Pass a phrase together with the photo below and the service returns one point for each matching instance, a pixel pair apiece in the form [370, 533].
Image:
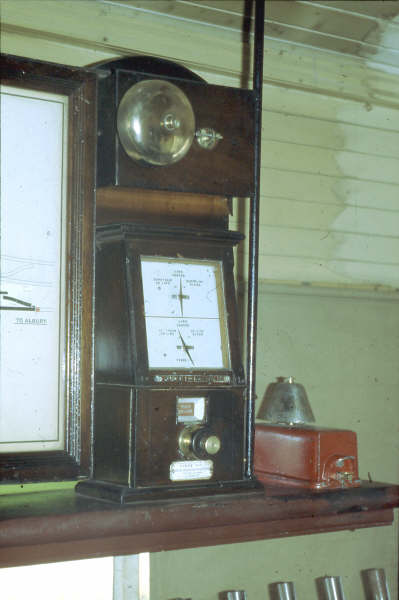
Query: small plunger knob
[212, 445]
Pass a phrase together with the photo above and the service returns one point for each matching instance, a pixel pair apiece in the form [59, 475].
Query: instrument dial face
[185, 314]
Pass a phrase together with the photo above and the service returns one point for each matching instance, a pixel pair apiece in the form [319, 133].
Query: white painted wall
[77, 580]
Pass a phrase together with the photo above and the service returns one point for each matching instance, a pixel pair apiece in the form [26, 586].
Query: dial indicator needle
[185, 347]
[182, 297]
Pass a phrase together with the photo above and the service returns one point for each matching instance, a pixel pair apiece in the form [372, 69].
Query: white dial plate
[184, 313]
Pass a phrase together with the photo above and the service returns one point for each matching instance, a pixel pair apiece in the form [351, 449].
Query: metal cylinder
[236, 595]
[331, 588]
[375, 584]
[284, 590]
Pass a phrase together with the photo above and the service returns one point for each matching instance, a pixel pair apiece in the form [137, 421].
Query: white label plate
[189, 470]
[191, 410]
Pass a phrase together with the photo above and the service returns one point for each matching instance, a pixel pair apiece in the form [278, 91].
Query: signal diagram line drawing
[21, 304]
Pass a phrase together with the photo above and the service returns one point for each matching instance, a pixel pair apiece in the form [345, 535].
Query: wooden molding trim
[118, 204]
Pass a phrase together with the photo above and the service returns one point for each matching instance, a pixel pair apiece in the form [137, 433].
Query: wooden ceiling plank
[320, 18]
[196, 12]
[342, 45]
[328, 25]
[380, 9]
[229, 6]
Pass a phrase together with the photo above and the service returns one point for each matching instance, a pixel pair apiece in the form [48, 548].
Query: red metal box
[306, 456]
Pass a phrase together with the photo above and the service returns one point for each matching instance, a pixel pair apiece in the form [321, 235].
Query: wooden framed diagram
[47, 191]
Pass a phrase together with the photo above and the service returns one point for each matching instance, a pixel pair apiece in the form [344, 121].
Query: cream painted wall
[344, 347]
[329, 218]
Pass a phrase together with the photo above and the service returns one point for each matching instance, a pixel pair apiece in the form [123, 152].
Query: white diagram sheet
[32, 270]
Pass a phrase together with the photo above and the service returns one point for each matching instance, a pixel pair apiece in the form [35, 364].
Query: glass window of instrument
[32, 296]
[185, 313]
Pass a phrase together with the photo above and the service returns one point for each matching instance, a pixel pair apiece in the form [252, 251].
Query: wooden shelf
[43, 527]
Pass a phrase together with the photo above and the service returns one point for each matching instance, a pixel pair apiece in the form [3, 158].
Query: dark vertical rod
[254, 234]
